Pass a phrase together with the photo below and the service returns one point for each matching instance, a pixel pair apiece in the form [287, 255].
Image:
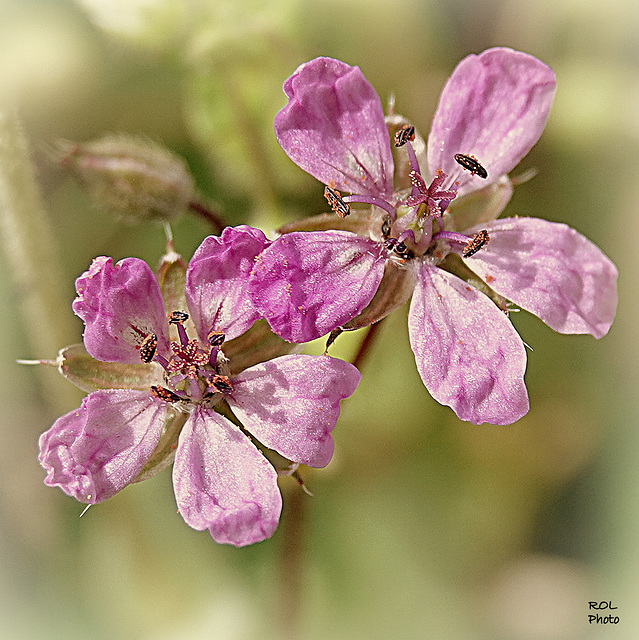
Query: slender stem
[29, 244]
[367, 342]
[292, 562]
[212, 217]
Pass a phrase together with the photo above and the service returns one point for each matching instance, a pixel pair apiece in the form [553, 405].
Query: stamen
[472, 164]
[403, 135]
[178, 317]
[376, 202]
[412, 158]
[403, 251]
[162, 393]
[399, 248]
[148, 348]
[386, 228]
[335, 202]
[476, 243]
[215, 338]
[221, 384]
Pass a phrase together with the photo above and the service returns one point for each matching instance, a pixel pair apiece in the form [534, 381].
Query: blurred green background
[421, 526]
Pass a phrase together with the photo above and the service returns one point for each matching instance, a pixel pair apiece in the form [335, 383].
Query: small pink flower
[222, 482]
[491, 112]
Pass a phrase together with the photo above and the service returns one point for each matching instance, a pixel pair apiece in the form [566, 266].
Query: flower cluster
[172, 410]
[182, 367]
[462, 270]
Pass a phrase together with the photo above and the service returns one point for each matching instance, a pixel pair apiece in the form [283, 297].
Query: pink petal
[308, 283]
[217, 281]
[120, 306]
[95, 451]
[291, 404]
[494, 107]
[223, 483]
[552, 271]
[468, 354]
[333, 127]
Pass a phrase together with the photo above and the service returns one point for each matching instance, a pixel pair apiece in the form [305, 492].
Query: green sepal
[453, 264]
[89, 374]
[171, 275]
[256, 345]
[396, 287]
[478, 207]
[164, 453]
[363, 222]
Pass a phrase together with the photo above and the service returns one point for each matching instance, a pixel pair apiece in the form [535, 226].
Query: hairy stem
[27, 240]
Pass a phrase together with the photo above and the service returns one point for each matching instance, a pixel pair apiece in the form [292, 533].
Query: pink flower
[491, 112]
[222, 481]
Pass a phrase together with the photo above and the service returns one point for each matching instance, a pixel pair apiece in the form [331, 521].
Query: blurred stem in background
[31, 251]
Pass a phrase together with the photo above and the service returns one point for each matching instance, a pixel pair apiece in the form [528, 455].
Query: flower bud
[130, 176]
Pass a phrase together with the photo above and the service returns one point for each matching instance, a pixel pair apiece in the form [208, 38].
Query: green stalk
[28, 243]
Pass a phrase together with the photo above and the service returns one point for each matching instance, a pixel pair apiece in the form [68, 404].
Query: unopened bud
[133, 177]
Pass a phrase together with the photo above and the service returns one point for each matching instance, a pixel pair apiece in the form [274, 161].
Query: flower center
[194, 372]
[413, 235]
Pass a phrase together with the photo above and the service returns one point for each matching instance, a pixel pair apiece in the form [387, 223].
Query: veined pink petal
[468, 354]
[308, 283]
[552, 271]
[120, 306]
[217, 281]
[223, 483]
[494, 107]
[333, 127]
[95, 451]
[291, 404]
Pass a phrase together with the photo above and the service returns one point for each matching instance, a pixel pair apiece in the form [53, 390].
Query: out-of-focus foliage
[421, 526]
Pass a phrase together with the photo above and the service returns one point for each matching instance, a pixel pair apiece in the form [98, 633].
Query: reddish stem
[367, 342]
[212, 217]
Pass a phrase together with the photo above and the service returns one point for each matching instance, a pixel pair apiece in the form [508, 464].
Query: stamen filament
[184, 339]
[453, 236]
[412, 159]
[162, 361]
[213, 356]
[377, 202]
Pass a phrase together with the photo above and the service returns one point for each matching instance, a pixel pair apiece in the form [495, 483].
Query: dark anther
[162, 393]
[222, 384]
[399, 248]
[148, 347]
[386, 228]
[403, 135]
[472, 164]
[178, 317]
[403, 251]
[335, 202]
[215, 338]
[476, 243]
